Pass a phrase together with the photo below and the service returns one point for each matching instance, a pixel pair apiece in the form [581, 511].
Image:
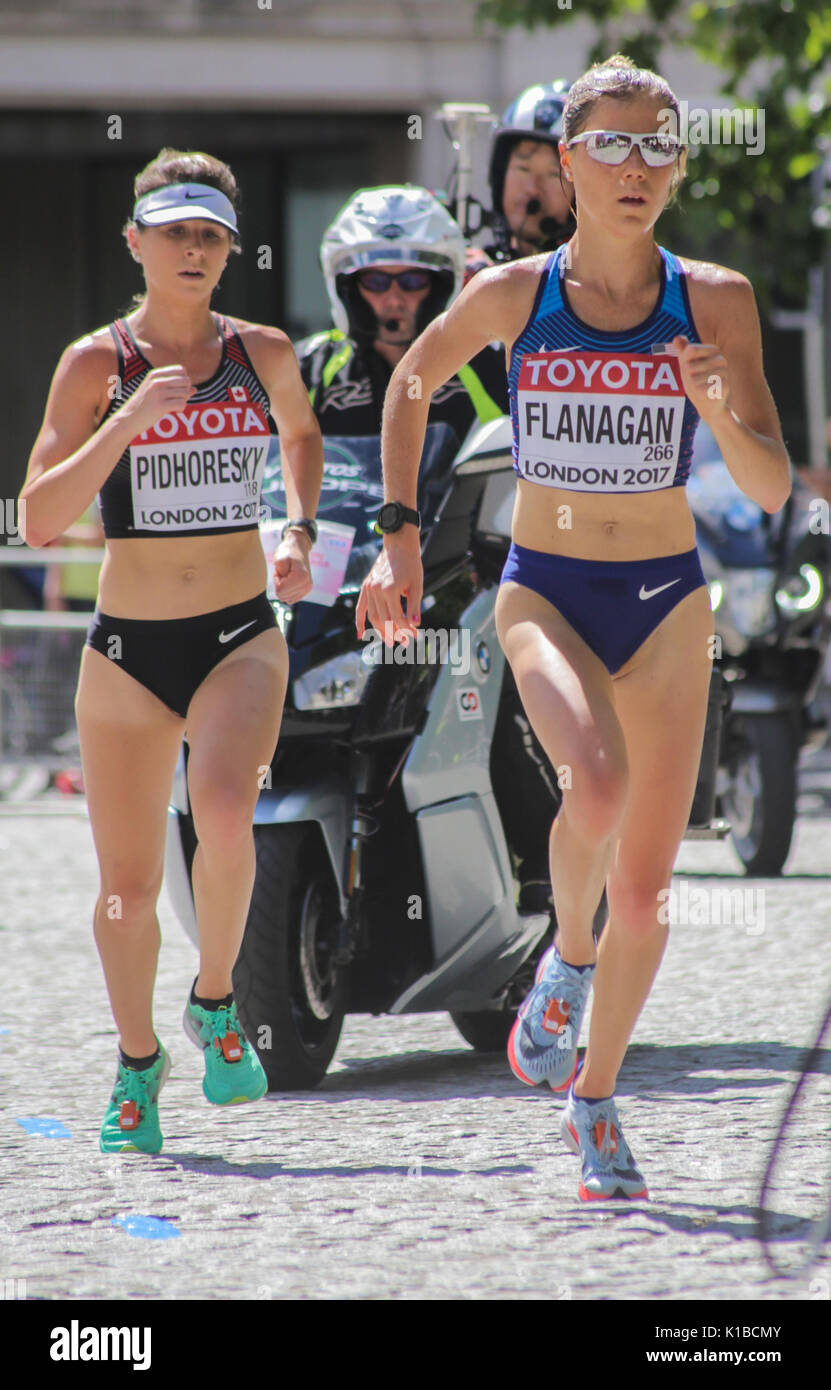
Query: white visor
[178, 202]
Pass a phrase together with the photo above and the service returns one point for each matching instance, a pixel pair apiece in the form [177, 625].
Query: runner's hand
[705, 377]
[397, 573]
[163, 391]
[292, 572]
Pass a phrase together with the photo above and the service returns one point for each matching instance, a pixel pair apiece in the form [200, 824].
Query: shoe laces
[224, 1032]
[606, 1136]
[132, 1088]
[558, 999]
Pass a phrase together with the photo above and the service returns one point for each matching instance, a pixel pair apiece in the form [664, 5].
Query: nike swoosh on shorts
[226, 636]
[650, 593]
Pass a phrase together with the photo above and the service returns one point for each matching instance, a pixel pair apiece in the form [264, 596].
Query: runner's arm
[301, 444]
[494, 306]
[70, 460]
[744, 420]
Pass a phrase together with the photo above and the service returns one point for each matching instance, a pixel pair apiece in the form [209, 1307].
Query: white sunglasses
[613, 146]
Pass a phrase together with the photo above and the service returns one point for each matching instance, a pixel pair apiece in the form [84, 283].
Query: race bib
[200, 468]
[600, 421]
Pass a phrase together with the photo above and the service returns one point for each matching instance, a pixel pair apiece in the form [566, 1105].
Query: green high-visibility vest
[484, 405]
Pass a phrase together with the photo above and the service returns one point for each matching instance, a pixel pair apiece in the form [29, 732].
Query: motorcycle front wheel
[290, 995]
[760, 802]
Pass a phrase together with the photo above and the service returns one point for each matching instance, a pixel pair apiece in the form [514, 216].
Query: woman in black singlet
[167, 415]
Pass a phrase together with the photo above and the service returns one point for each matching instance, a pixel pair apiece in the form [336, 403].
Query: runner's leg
[232, 727]
[567, 694]
[661, 702]
[129, 745]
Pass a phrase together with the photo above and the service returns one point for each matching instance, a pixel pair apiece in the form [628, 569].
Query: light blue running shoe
[233, 1071]
[543, 1041]
[593, 1131]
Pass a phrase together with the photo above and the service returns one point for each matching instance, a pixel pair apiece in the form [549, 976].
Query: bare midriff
[602, 526]
[180, 576]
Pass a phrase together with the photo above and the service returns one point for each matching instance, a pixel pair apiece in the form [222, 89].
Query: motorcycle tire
[489, 1029]
[761, 802]
[291, 1000]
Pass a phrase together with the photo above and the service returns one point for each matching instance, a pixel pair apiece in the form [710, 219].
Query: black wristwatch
[302, 523]
[392, 516]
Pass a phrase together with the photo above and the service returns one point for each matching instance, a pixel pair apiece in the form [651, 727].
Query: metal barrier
[40, 653]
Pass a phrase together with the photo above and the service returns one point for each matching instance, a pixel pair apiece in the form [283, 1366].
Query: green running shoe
[233, 1071]
[131, 1122]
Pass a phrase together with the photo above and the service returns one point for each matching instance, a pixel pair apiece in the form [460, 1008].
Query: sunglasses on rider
[379, 281]
[614, 146]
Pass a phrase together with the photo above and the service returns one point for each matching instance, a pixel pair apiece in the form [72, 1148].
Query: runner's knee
[223, 813]
[128, 895]
[635, 902]
[594, 794]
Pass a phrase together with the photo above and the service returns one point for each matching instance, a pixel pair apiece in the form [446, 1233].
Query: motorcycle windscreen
[351, 495]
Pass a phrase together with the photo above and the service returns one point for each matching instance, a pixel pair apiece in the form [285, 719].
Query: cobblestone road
[419, 1169]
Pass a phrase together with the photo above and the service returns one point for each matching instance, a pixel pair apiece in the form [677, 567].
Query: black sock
[139, 1063]
[212, 1004]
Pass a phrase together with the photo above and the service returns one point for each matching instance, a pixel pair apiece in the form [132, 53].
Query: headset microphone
[392, 325]
[532, 207]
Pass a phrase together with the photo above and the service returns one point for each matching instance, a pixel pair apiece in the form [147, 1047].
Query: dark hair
[186, 166]
[619, 78]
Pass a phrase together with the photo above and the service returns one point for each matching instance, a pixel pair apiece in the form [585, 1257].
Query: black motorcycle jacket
[347, 383]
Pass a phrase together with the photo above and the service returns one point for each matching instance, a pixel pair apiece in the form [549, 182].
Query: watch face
[389, 518]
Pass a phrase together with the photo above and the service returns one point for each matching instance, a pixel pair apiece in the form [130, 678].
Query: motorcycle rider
[531, 208]
[392, 260]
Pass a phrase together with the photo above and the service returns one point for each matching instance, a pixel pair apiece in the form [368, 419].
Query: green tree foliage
[749, 210]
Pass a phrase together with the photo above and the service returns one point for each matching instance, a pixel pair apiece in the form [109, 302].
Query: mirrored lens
[379, 281]
[659, 149]
[608, 146]
[613, 146]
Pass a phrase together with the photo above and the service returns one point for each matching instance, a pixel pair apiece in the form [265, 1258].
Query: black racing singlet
[198, 470]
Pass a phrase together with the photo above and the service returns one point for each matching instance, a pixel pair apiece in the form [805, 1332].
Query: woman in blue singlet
[615, 347]
[167, 414]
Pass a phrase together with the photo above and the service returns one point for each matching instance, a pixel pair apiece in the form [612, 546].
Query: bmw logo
[483, 657]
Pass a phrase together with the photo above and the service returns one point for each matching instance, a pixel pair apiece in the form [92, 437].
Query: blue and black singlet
[602, 411]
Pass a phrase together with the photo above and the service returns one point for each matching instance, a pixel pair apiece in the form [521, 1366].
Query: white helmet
[380, 226]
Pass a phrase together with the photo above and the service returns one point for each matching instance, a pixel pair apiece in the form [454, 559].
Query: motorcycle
[768, 576]
[384, 882]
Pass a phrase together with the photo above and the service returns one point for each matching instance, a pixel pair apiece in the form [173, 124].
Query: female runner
[616, 347]
[165, 414]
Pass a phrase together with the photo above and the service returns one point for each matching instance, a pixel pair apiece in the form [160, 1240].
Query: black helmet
[535, 115]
